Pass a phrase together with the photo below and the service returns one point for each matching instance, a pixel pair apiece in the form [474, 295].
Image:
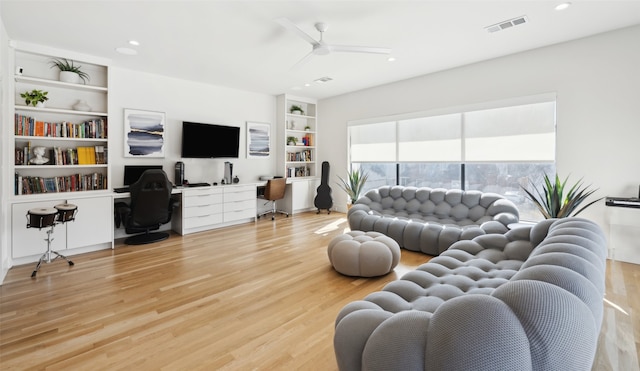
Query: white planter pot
[40, 105]
[70, 77]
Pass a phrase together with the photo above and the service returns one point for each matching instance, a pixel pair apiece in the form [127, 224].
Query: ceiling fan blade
[359, 49]
[302, 62]
[286, 23]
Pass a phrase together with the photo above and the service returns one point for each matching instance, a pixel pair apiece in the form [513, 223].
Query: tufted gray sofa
[430, 220]
[527, 300]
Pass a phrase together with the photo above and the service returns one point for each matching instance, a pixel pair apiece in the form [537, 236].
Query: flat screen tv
[209, 141]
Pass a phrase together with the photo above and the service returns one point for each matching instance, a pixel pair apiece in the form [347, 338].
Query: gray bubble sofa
[531, 299]
[431, 220]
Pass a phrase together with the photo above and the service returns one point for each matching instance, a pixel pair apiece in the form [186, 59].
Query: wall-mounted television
[201, 140]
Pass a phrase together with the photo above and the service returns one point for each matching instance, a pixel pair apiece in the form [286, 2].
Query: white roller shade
[373, 142]
[518, 133]
[430, 139]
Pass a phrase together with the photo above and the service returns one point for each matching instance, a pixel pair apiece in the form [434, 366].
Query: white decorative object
[70, 77]
[40, 105]
[39, 153]
[82, 106]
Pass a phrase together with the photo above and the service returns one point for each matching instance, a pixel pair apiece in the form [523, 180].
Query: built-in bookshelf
[63, 146]
[297, 136]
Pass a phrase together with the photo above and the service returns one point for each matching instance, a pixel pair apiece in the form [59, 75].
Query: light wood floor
[257, 296]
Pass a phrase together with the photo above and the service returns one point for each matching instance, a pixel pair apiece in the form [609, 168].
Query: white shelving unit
[58, 125]
[299, 162]
[297, 158]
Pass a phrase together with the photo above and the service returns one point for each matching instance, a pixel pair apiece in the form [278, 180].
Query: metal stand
[46, 257]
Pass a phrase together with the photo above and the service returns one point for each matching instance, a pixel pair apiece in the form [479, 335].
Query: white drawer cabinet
[205, 208]
[239, 202]
[201, 207]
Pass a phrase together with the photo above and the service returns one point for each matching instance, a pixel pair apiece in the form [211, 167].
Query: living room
[594, 78]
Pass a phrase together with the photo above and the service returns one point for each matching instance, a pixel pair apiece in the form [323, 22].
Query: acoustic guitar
[323, 198]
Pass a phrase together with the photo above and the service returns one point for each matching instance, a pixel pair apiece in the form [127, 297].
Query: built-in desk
[623, 216]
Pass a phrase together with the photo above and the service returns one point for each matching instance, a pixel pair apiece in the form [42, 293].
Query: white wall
[188, 101]
[6, 128]
[597, 81]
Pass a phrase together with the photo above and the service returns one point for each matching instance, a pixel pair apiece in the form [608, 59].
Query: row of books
[89, 155]
[299, 156]
[71, 183]
[298, 171]
[29, 126]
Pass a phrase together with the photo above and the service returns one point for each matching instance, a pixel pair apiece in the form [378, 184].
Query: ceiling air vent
[323, 79]
[507, 24]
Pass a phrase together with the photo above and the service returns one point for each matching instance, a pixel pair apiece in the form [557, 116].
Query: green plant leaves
[554, 203]
[354, 184]
[65, 65]
[34, 96]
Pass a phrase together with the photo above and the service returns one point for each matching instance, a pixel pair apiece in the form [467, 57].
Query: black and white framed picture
[258, 140]
[144, 133]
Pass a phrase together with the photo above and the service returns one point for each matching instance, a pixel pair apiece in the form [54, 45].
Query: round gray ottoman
[363, 254]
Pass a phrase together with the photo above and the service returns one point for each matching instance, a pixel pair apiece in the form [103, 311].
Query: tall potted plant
[553, 203]
[353, 184]
[69, 72]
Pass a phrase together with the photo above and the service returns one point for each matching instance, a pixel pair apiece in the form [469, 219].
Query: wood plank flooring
[259, 296]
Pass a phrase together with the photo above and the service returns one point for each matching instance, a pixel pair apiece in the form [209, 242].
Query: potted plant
[307, 128]
[553, 203]
[69, 72]
[296, 110]
[291, 141]
[35, 97]
[353, 184]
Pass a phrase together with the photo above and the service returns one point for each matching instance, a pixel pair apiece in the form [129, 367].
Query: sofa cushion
[430, 220]
[528, 299]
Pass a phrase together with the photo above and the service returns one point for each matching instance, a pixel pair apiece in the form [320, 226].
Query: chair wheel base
[145, 238]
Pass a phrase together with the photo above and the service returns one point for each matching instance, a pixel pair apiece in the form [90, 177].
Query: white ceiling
[238, 44]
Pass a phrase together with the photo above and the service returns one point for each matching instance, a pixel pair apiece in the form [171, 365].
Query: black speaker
[179, 174]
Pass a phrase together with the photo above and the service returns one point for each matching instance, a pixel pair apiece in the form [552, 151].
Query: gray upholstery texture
[530, 299]
[363, 254]
[431, 220]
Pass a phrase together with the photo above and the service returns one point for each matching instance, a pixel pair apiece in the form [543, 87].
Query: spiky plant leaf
[353, 184]
[554, 203]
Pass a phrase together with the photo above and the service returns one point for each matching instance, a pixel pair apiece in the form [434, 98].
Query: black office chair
[151, 206]
[273, 191]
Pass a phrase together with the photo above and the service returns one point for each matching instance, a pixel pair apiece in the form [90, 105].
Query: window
[500, 149]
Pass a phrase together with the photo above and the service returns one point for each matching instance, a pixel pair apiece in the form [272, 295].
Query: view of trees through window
[499, 149]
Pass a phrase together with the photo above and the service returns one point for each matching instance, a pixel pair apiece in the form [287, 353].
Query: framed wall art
[144, 133]
[258, 140]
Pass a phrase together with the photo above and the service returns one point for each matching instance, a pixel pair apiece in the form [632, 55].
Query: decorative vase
[70, 77]
[82, 106]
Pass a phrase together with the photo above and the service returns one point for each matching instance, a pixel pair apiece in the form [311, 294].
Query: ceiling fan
[320, 47]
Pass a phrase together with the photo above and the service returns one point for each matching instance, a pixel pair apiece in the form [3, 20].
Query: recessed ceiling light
[307, 84]
[563, 6]
[126, 51]
[296, 88]
[134, 42]
[391, 59]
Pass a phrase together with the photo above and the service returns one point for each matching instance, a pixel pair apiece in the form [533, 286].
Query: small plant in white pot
[35, 97]
[296, 110]
[69, 72]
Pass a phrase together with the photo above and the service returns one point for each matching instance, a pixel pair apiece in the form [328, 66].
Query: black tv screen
[209, 141]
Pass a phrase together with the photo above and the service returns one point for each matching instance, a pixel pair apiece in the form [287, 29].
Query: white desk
[624, 233]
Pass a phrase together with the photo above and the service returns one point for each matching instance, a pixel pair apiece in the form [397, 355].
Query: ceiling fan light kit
[320, 47]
